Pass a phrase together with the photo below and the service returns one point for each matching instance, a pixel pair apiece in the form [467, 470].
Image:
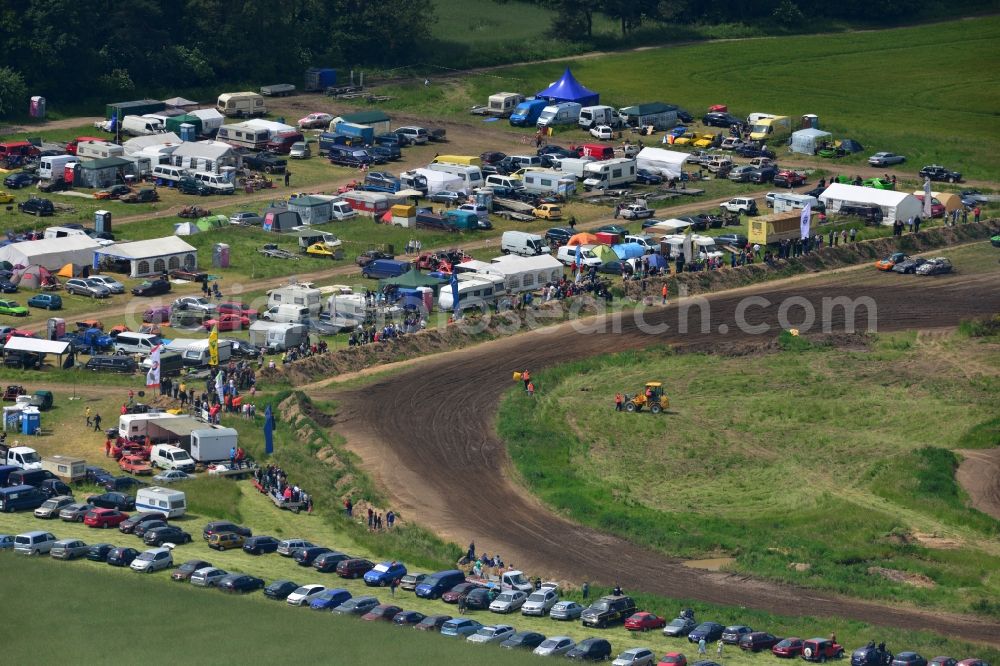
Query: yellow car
[321, 249]
[548, 212]
[6, 197]
[685, 139]
[705, 141]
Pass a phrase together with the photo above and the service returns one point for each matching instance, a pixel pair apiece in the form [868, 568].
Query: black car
[492, 156]
[169, 534]
[120, 483]
[244, 349]
[523, 640]
[20, 179]
[152, 288]
[305, 556]
[760, 640]
[387, 153]
[240, 583]
[591, 649]
[54, 186]
[188, 185]
[99, 552]
[480, 598]
[266, 162]
[409, 618]
[140, 529]
[123, 364]
[218, 526]
[870, 655]
[356, 606]
[560, 235]
[23, 360]
[710, 631]
[938, 172]
[867, 212]
[327, 562]
[8, 287]
[615, 267]
[608, 610]
[719, 119]
[732, 634]
[37, 206]
[119, 501]
[280, 589]
[184, 571]
[55, 488]
[764, 174]
[259, 545]
[736, 240]
[128, 526]
[647, 177]
[392, 139]
[122, 557]
[96, 475]
[753, 150]
[432, 622]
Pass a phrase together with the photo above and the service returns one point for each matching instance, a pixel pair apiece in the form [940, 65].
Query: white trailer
[502, 104]
[213, 444]
[609, 173]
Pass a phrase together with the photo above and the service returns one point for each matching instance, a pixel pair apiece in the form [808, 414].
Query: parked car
[432, 623]
[122, 557]
[885, 159]
[494, 633]
[408, 618]
[821, 649]
[636, 212]
[788, 648]
[104, 518]
[145, 195]
[447, 197]
[304, 557]
[37, 206]
[901, 658]
[280, 589]
[566, 610]
[756, 641]
[673, 659]
[167, 534]
[266, 162]
[224, 526]
[938, 172]
[710, 631]
[356, 606]
[259, 545]
[644, 621]
[288, 547]
[719, 119]
[152, 560]
[184, 571]
[46, 301]
[155, 287]
[327, 562]
[554, 646]
[145, 526]
[381, 613]
[384, 573]
[315, 121]
[354, 568]
[68, 549]
[608, 610]
[943, 661]
[732, 634]
[789, 179]
[99, 552]
[75, 513]
[13, 309]
[208, 576]
[637, 656]
[908, 265]
[481, 598]
[647, 177]
[329, 599]
[540, 602]
[523, 640]
[172, 476]
[679, 627]
[460, 626]
[128, 526]
[51, 507]
[591, 649]
[508, 602]
[134, 464]
[226, 541]
[410, 581]
[112, 500]
[238, 583]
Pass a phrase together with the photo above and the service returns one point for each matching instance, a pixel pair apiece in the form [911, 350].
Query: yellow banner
[213, 346]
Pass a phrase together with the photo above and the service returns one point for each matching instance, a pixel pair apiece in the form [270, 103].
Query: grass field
[805, 466]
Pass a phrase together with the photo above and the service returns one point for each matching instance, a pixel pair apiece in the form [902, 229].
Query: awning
[36, 345]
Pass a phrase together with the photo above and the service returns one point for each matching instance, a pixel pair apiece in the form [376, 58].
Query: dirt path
[979, 475]
[438, 455]
[65, 123]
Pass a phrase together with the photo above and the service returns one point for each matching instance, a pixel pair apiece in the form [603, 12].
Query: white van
[566, 113]
[509, 182]
[567, 255]
[136, 343]
[216, 182]
[286, 314]
[53, 166]
[139, 126]
[169, 173]
[241, 104]
[342, 210]
[173, 503]
[523, 244]
[472, 176]
[592, 116]
[166, 456]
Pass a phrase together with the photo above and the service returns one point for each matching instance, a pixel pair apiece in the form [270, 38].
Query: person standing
[531, 389]
[86, 413]
[288, 177]
[719, 645]
[97, 422]
[392, 586]
[586, 590]
[854, 234]
[975, 214]
[390, 518]
[663, 292]
[107, 447]
[909, 224]
[965, 215]
[618, 402]
[701, 646]
[526, 378]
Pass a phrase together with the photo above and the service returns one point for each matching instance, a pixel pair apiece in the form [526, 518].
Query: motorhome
[575, 166]
[300, 294]
[98, 150]
[609, 173]
[555, 115]
[241, 134]
[472, 176]
[62, 232]
[52, 167]
[475, 290]
[241, 104]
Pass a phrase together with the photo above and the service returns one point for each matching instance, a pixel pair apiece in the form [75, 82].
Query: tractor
[652, 397]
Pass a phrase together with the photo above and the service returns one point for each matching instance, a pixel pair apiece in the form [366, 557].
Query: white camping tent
[138, 144]
[51, 253]
[668, 163]
[894, 205]
[273, 128]
[186, 229]
[807, 141]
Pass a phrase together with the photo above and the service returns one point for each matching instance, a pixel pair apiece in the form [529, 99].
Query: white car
[152, 560]
[305, 594]
[114, 285]
[208, 576]
[540, 602]
[885, 159]
[194, 303]
[172, 476]
[555, 646]
[34, 543]
[636, 212]
[315, 121]
[567, 255]
[508, 602]
[602, 132]
[637, 656]
[414, 134]
[496, 633]
[289, 546]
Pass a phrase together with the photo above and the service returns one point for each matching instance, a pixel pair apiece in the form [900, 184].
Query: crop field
[810, 465]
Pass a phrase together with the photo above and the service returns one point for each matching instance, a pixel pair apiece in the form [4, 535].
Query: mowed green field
[808, 466]
[929, 92]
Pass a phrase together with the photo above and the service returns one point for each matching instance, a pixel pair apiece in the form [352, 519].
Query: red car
[673, 659]
[644, 621]
[354, 568]
[134, 464]
[104, 518]
[937, 208]
[789, 179]
[227, 322]
[821, 649]
[242, 309]
[383, 612]
[788, 647]
[452, 595]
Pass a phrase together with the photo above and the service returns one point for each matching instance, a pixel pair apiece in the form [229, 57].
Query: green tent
[413, 279]
[212, 221]
[604, 253]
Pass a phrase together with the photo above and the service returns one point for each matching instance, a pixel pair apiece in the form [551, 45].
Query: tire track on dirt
[427, 433]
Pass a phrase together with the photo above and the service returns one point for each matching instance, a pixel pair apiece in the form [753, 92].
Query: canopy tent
[604, 253]
[179, 102]
[413, 279]
[524, 273]
[807, 141]
[52, 253]
[583, 239]
[894, 205]
[34, 277]
[568, 89]
[628, 250]
[186, 229]
[36, 345]
[151, 257]
[667, 163]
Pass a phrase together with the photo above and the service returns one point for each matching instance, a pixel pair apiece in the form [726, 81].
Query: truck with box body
[52, 167]
[559, 115]
[575, 166]
[241, 104]
[66, 468]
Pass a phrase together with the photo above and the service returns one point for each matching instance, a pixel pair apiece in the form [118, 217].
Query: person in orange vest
[664, 292]
[531, 389]
[526, 378]
[618, 402]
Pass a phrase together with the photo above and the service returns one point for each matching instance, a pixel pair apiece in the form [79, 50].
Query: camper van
[503, 104]
[52, 167]
[295, 314]
[523, 244]
[98, 150]
[609, 173]
[566, 113]
[475, 290]
[172, 503]
[574, 166]
[215, 182]
[567, 255]
[139, 126]
[592, 116]
[241, 104]
[770, 128]
[547, 181]
[347, 311]
[240, 134]
[526, 113]
[472, 176]
[169, 174]
[302, 295]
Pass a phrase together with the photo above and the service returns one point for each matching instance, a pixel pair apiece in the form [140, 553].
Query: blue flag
[114, 123]
[578, 259]
[268, 431]
[454, 292]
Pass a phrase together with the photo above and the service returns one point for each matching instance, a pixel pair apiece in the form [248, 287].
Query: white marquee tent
[894, 205]
[51, 253]
[668, 163]
[807, 141]
[152, 257]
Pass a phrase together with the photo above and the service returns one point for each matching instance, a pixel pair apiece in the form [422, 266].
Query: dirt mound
[979, 476]
[916, 580]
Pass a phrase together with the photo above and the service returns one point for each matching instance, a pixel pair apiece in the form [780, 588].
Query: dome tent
[568, 89]
[186, 229]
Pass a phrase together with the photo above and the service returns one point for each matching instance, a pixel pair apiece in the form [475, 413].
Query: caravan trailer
[475, 290]
[171, 503]
[241, 104]
[302, 295]
[242, 134]
[503, 104]
[472, 176]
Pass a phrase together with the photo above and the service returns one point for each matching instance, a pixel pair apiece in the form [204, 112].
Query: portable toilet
[31, 421]
[37, 107]
[188, 132]
[485, 198]
[102, 221]
[69, 172]
[426, 297]
[55, 328]
[220, 255]
[12, 417]
[810, 121]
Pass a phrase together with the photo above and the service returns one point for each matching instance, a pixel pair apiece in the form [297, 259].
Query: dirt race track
[427, 433]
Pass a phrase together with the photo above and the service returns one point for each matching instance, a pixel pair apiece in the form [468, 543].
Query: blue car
[6, 541]
[710, 631]
[460, 626]
[384, 573]
[329, 599]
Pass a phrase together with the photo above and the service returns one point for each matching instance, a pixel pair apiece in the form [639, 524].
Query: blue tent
[568, 89]
[628, 250]
[657, 261]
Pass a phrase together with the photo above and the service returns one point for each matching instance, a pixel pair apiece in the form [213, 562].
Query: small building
[312, 210]
[209, 156]
[894, 205]
[51, 253]
[151, 257]
[104, 172]
[377, 120]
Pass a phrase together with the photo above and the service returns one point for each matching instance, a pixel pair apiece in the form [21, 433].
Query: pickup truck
[24, 457]
[509, 580]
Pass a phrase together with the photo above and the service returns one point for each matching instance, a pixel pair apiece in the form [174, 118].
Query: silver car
[885, 159]
[566, 610]
[508, 602]
[86, 287]
[75, 513]
[637, 656]
[112, 284]
[172, 476]
[50, 508]
[34, 543]
[208, 576]
[540, 602]
[68, 549]
[496, 633]
[152, 560]
[289, 546]
[555, 646]
[246, 218]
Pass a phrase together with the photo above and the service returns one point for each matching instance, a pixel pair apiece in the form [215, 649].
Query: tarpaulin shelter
[280, 219]
[583, 239]
[413, 279]
[179, 102]
[312, 210]
[851, 146]
[628, 250]
[667, 163]
[568, 89]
